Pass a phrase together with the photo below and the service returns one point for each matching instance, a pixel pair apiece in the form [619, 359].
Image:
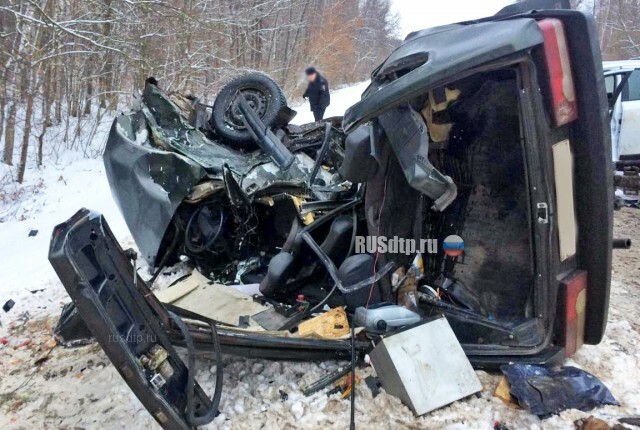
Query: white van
[622, 80]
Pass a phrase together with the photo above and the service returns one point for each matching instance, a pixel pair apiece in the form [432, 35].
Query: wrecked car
[494, 130]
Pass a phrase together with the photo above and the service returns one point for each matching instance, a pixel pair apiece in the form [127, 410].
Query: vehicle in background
[622, 81]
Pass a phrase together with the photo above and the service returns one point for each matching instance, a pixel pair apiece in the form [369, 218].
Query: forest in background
[65, 65]
[62, 60]
[618, 24]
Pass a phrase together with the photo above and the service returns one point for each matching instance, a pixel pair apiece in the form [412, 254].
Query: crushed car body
[492, 132]
[159, 161]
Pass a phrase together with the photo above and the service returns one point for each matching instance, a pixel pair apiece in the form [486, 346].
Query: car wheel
[261, 92]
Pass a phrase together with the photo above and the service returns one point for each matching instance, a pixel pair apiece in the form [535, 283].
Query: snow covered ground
[41, 387]
[50, 195]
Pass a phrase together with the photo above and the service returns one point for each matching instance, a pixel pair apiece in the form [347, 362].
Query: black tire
[262, 93]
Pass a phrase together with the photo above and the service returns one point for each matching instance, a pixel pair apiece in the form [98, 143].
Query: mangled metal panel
[151, 183]
[156, 158]
[171, 132]
[268, 174]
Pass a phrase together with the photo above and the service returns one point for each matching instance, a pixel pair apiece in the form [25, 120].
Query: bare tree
[65, 62]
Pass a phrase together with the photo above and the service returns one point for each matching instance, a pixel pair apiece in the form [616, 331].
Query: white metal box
[425, 367]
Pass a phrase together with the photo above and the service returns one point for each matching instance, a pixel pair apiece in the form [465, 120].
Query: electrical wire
[375, 261]
[352, 425]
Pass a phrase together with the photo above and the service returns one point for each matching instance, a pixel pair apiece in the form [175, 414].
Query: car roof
[623, 65]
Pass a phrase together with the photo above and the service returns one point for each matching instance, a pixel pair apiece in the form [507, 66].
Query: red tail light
[556, 53]
[572, 310]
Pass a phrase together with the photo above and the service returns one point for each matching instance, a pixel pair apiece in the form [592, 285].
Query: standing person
[317, 92]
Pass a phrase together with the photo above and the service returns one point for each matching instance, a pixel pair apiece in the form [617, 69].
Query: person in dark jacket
[317, 92]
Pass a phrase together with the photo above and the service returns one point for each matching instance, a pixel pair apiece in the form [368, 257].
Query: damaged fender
[151, 183]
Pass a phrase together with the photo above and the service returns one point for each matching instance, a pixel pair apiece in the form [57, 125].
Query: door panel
[624, 86]
[630, 127]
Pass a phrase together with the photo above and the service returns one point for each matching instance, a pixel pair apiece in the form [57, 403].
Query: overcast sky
[419, 14]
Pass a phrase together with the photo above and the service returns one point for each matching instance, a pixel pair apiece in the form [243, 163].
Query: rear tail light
[556, 53]
[572, 310]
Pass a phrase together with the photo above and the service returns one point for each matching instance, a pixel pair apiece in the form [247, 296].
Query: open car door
[622, 79]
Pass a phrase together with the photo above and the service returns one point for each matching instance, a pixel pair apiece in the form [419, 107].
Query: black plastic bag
[546, 391]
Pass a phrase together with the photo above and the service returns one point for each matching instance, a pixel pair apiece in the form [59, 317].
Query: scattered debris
[621, 243]
[283, 395]
[246, 266]
[503, 393]
[8, 305]
[384, 317]
[71, 330]
[591, 423]
[332, 324]
[499, 426]
[24, 317]
[45, 356]
[374, 385]
[344, 386]
[410, 366]
[546, 391]
[326, 380]
[634, 421]
[32, 233]
[244, 321]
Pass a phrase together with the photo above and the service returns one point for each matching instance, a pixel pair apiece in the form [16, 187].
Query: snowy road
[78, 388]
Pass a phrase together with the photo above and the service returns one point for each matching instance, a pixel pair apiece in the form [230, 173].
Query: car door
[623, 92]
[629, 143]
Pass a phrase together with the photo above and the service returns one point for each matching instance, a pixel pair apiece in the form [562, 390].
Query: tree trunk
[10, 134]
[46, 112]
[25, 137]
[41, 145]
[3, 105]
[88, 96]
[58, 92]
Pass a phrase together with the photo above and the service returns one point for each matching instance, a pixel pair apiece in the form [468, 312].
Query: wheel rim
[256, 99]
